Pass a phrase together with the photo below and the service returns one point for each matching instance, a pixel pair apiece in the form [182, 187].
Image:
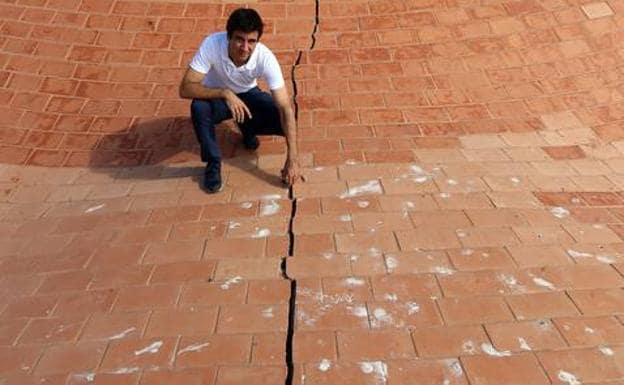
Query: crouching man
[222, 81]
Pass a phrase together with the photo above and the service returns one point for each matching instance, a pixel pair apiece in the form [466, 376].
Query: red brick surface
[461, 221]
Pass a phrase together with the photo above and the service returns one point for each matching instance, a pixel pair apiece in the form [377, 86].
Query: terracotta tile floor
[461, 222]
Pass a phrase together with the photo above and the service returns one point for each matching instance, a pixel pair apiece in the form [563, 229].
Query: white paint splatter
[560, 212]
[327, 255]
[420, 179]
[151, 349]
[444, 195]
[194, 348]
[362, 204]
[412, 308]
[352, 281]
[94, 208]
[589, 330]
[233, 225]
[409, 205]
[523, 344]
[261, 233]
[324, 365]
[377, 368]
[460, 233]
[269, 197]
[490, 350]
[452, 182]
[370, 187]
[543, 283]
[373, 251]
[268, 312]
[226, 285]
[269, 208]
[122, 334]
[514, 179]
[606, 350]
[246, 205]
[568, 377]
[467, 252]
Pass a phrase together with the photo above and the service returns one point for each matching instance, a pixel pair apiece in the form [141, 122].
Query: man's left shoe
[212, 177]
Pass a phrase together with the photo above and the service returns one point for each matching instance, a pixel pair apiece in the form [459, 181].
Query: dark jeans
[205, 114]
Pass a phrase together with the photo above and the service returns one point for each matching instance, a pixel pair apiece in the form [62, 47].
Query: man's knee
[201, 108]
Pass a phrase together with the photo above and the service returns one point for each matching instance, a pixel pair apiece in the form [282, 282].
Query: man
[221, 80]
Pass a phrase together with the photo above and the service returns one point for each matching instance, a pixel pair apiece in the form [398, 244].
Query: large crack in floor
[292, 301]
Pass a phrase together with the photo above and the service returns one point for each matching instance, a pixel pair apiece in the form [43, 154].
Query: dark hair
[245, 20]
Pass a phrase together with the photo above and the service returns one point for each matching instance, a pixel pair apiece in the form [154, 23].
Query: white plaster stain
[467, 252]
[452, 182]
[589, 330]
[444, 270]
[94, 208]
[391, 297]
[352, 281]
[324, 365]
[606, 350]
[568, 377]
[444, 195]
[523, 344]
[246, 205]
[269, 208]
[543, 283]
[261, 233]
[345, 218]
[559, 212]
[578, 254]
[391, 263]
[268, 312]
[491, 350]
[412, 308]
[127, 370]
[151, 349]
[377, 368]
[362, 204]
[370, 187]
[469, 347]
[226, 285]
[455, 368]
[122, 334]
[194, 348]
[234, 225]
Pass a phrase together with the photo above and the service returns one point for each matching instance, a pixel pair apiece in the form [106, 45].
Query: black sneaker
[212, 177]
[251, 142]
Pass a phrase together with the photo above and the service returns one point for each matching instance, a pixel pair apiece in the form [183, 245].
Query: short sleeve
[273, 72]
[201, 61]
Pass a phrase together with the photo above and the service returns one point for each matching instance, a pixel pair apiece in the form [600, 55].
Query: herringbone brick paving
[461, 222]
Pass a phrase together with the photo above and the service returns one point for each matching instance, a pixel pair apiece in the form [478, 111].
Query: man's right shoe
[212, 177]
[251, 142]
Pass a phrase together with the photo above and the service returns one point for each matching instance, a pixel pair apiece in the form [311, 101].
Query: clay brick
[252, 318]
[362, 345]
[147, 297]
[52, 331]
[63, 358]
[197, 351]
[138, 353]
[449, 341]
[476, 310]
[592, 364]
[193, 321]
[518, 369]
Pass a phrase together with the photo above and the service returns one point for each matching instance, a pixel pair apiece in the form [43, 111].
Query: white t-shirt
[212, 59]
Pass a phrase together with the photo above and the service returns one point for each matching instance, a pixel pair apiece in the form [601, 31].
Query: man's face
[241, 45]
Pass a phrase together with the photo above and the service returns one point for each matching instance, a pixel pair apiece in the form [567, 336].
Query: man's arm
[191, 87]
[291, 172]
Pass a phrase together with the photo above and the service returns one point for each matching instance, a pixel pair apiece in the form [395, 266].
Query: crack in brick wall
[292, 301]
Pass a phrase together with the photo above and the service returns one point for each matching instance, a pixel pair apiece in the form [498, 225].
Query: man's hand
[291, 173]
[239, 110]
